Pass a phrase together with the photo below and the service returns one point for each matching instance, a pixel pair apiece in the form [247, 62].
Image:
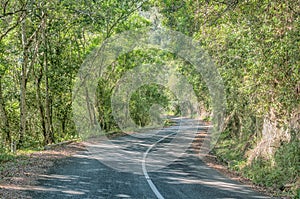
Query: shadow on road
[92, 173]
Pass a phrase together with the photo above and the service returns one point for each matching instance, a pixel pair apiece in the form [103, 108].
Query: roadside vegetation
[254, 45]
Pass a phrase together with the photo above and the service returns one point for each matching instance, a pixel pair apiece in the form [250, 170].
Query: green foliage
[228, 149]
[5, 157]
[285, 170]
[254, 44]
[281, 174]
[55, 38]
[142, 101]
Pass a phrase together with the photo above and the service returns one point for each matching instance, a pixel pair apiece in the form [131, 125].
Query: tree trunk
[23, 113]
[39, 101]
[4, 117]
[49, 136]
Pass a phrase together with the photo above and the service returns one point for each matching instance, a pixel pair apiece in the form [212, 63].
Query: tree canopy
[254, 45]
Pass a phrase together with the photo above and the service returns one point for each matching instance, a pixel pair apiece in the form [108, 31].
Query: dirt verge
[22, 172]
[213, 161]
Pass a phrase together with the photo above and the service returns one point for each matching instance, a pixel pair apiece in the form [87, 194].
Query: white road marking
[151, 184]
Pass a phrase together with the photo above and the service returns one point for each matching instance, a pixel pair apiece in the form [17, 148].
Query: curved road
[90, 173]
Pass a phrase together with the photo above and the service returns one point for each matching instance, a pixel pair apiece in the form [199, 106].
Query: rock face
[295, 119]
[273, 135]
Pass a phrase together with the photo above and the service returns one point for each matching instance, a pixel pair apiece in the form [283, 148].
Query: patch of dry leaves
[22, 173]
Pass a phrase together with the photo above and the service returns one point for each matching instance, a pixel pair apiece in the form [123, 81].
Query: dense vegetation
[254, 44]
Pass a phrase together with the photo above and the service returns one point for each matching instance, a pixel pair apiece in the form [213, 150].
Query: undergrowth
[281, 172]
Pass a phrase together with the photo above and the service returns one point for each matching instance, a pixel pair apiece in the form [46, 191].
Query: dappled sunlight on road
[104, 172]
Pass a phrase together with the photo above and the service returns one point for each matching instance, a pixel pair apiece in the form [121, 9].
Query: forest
[254, 45]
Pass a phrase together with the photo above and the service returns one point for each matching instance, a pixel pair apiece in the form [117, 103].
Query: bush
[283, 174]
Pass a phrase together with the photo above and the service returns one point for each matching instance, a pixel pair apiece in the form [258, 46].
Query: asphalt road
[131, 167]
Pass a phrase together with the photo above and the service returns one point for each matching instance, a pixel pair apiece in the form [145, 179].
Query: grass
[5, 157]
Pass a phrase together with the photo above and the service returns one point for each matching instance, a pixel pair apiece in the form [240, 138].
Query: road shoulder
[21, 173]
